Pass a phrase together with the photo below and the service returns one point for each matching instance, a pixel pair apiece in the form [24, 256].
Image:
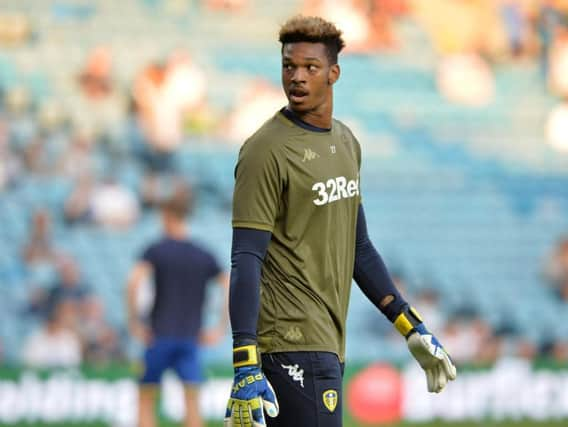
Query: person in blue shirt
[180, 270]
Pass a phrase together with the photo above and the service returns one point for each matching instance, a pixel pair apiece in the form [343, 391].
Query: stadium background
[107, 106]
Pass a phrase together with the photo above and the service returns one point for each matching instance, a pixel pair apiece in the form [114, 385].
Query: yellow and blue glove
[251, 391]
[426, 349]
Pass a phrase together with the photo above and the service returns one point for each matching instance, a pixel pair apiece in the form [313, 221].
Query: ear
[333, 75]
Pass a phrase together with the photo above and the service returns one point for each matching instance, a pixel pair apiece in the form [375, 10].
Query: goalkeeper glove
[251, 391]
[426, 349]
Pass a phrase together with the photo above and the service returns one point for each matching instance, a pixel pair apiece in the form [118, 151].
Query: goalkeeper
[299, 238]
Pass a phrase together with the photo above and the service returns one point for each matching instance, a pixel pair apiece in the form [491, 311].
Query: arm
[223, 279]
[251, 391]
[372, 277]
[259, 183]
[247, 254]
[371, 274]
[215, 334]
[140, 273]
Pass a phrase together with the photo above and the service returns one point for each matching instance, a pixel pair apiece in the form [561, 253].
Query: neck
[177, 231]
[320, 117]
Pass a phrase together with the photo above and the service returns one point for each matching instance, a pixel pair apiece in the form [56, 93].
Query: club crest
[330, 399]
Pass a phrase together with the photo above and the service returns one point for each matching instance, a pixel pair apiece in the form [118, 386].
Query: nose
[299, 75]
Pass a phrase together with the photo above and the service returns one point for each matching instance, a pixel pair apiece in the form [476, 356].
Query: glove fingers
[229, 409]
[430, 379]
[442, 378]
[269, 401]
[244, 414]
[449, 367]
[257, 415]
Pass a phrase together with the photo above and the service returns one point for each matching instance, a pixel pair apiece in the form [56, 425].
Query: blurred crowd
[74, 328]
[167, 104]
[473, 339]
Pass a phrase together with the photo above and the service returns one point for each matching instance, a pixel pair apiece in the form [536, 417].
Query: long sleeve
[371, 274]
[247, 254]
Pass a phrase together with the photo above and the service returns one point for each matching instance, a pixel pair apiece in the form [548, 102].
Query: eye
[287, 67]
[312, 68]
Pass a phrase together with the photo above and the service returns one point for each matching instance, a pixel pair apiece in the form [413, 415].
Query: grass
[350, 424]
[450, 424]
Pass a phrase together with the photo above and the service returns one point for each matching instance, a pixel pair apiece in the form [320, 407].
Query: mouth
[298, 95]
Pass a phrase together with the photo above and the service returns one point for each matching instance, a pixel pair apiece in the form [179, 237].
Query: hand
[426, 349]
[432, 357]
[211, 336]
[250, 394]
[140, 331]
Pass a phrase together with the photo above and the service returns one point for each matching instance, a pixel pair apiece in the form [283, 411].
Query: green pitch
[441, 424]
[351, 424]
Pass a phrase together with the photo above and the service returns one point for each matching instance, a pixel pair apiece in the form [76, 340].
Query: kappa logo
[293, 334]
[296, 373]
[309, 154]
[330, 399]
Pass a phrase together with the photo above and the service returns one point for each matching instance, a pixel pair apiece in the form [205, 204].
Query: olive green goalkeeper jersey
[303, 186]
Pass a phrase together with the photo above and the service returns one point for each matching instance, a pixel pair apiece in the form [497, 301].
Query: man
[180, 270]
[299, 237]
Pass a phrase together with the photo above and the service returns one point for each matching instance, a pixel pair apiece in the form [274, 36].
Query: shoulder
[271, 137]
[156, 246]
[345, 130]
[197, 246]
[201, 251]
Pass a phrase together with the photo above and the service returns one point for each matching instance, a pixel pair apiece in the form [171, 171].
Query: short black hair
[313, 29]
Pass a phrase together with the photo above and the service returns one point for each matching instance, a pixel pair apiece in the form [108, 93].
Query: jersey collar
[290, 115]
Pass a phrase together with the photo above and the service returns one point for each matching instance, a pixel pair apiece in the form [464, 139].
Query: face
[307, 76]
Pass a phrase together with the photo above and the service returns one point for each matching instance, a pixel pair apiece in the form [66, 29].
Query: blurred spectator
[526, 348]
[113, 205]
[556, 269]
[466, 79]
[154, 191]
[366, 24]
[39, 157]
[10, 166]
[256, 104]
[108, 203]
[558, 58]
[549, 22]
[39, 247]
[79, 157]
[76, 208]
[165, 95]
[17, 100]
[68, 287]
[463, 26]
[227, 5]
[469, 337]
[55, 344]
[505, 341]
[427, 302]
[15, 28]
[382, 13]
[516, 17]
[555, 351]
[98, 108]
[95, 79]
[185, 92]
[557, 127]
[100, 341]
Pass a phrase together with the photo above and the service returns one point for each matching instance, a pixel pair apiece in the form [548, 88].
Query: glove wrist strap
[246, 355]
[407, 321]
